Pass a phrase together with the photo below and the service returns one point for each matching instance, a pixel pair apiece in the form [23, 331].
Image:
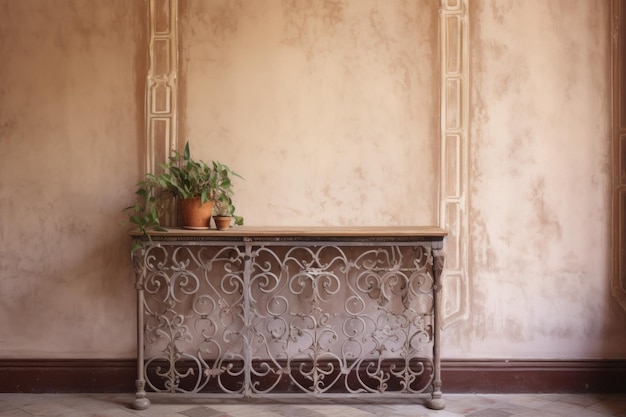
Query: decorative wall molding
[162, 87]
[161, 83]
[618, 121]
[459, 376]
[453, 177]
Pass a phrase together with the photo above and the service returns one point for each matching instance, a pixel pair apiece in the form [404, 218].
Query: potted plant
[224, 213]
[194, 184]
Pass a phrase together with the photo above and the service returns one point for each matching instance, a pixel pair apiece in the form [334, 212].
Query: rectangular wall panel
[161, 140]
[161, 97]
[618, 226]
[622, 240]
[453, 62]
[619, 78]
[622, 160]
[162, 16]
[453, 104]
[453, 165]
[453, 248]
[161, 57]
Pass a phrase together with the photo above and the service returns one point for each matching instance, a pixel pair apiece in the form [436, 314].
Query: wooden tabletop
[305, 231]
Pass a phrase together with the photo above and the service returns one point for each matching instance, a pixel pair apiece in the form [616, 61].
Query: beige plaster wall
[71, 119]
[539, 177]
[323, 107]
[327, 108]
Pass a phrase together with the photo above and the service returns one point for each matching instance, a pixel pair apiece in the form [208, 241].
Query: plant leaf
[187, 153]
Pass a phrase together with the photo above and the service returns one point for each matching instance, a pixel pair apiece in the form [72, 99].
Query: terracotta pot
[194, 214]
[222, 222]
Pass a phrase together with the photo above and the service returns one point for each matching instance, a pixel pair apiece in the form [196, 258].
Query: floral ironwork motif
[262, 318]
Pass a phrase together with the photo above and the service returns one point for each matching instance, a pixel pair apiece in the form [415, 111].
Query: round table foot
[140, 403]
[436, 404]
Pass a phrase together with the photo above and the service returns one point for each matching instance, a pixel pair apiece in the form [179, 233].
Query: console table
[271, 311]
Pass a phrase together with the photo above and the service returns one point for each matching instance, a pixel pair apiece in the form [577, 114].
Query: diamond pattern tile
[457, 405]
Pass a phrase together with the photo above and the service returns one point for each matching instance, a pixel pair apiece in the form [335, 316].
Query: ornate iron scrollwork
[311, 318]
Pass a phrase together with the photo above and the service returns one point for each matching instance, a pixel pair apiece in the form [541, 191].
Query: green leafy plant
[224, 207]
[182, 177]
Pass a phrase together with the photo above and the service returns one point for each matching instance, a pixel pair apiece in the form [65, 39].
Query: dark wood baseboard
[459, 376]
[534, 376]
[67, 375]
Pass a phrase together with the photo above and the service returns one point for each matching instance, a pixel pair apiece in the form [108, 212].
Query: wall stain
[311, 25]
[224, 19]
[548, 220]
[482, 250]
[501, 10]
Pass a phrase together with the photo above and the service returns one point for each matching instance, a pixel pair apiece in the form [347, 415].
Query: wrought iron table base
[319, 312]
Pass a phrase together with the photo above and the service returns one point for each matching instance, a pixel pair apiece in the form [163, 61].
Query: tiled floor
[116, 405]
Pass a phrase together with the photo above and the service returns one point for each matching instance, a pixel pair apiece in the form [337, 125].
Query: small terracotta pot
[222, 222]
[194, 213]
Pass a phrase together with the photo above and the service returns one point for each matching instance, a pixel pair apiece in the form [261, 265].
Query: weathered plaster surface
[70, 119]
[328, 109]
[539, 176]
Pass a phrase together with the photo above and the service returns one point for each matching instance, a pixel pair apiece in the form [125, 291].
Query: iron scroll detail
[257, 318]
